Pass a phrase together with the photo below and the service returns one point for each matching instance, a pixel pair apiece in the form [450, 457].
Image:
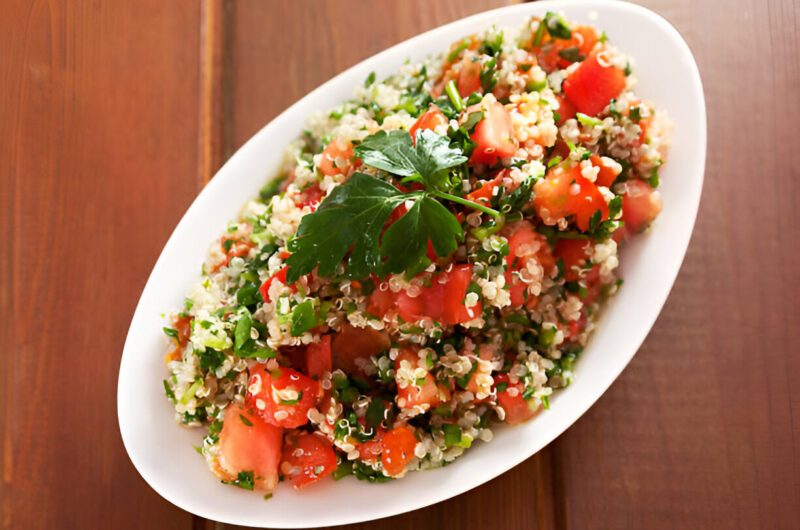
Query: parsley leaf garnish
[352, 218]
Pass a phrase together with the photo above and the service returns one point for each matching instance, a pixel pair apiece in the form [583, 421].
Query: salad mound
[430, 262]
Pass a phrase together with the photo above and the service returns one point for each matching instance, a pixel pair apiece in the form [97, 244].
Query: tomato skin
[312, 454]
[556, 197]
[517, 409]
[310, 197]
[255, 447]
[574, 253]
[485, 192]
[431, 119]
[469, 77]
[426, 395]
[281, 277]
[494, 134]
[609, 171]
[442, 301]
[262, 395]
[398, 449]
[592, 86]
[566, 110]
[524, 243]
[641, 204]
[318, 357]
[352, 347]
[332, 151]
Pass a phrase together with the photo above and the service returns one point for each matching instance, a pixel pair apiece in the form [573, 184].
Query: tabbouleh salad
[429, 263]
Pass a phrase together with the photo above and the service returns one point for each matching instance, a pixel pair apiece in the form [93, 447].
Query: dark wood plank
[265, 83]
[702, 430]
[99, 156]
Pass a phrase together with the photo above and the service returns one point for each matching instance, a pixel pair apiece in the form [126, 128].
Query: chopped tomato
[310, 196]
[352, 347]
[524, 243]
[335, 159]
[318, 357]
[641, 204]
[517, 409]
[593, 85]
[431, 119]
[307, 458]
[609, 170]
[398, 449]
[574, 253]
[233, 247]
[424, 392]
[281, 277]
[442, 301]
[469, 77]
[369, 451]
[644, 123]
[566, 110]
[494, 134]
[282, 396]
[564, 191]
[248, 443]
[485, 192]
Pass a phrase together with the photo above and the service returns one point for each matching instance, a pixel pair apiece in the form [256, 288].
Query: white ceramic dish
[162, 451]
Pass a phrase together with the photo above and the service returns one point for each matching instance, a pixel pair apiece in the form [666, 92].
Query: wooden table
[114, 115]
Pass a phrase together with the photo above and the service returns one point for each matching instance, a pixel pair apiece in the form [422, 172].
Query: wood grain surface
[114, 115]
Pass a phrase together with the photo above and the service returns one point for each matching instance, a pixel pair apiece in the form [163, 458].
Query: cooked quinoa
[429, 262]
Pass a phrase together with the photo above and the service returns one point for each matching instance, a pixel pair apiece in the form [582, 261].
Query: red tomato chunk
[248, 443]
[282, 396]
[594, 84]
[307, 458]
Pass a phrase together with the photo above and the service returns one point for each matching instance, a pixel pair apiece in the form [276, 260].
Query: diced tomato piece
[574, 253]
[369, 451]
[335, 159]
[431, 119]
[494, 134]
[485, 192]
[318, 357]
[398, 449]
[248, 443]
[425, 394]
[524, 239]
[307, 458]
[524, 243]
[563, 192]
[282, 396]
[641, 204]
[644, 123]
[609, 170]
[310, 196]
[469, 77]
[281, 277]
[352, 347]
[575, 327]
[443, 301]
[593, 85]
[566, 110]
[517, 409]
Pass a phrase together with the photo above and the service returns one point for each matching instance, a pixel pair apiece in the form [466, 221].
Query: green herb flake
[168, 391]
[303, 318]
[571, 54]
[452, 434]
[245, 420]
[588, 120]
[370, 80]
[455, 98]
[556, 26]
[171, 332]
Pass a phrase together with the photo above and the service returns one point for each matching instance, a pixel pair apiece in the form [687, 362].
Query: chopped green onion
[187, 397]
[455, 97]
[588, 120]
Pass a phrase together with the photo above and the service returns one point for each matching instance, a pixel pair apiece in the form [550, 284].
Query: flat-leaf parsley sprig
[353, 216]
